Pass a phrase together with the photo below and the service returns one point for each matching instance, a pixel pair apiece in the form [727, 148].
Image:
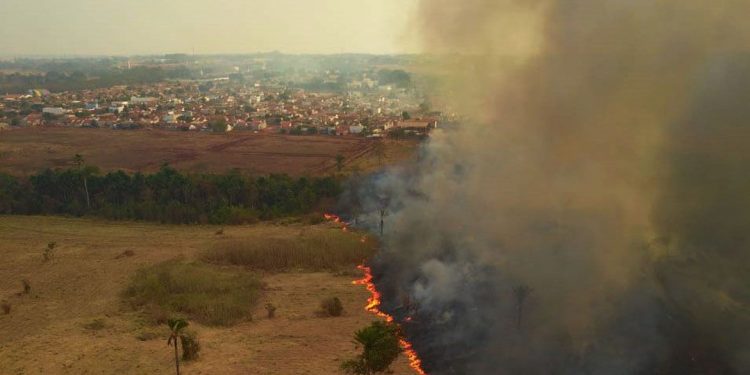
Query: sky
[130, 27]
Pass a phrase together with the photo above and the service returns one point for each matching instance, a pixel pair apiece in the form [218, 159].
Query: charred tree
[520, 293]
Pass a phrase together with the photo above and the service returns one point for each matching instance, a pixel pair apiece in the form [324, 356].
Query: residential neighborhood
[280, 103]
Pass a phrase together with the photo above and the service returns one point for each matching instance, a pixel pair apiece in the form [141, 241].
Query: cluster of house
[199, 106]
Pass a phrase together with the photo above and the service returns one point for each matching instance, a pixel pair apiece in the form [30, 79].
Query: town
[223, 95]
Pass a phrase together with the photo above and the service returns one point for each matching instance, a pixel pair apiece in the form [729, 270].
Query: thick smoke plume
[591, 214]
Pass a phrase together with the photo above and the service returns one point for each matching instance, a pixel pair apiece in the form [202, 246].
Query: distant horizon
[75, 56]
[221, 27]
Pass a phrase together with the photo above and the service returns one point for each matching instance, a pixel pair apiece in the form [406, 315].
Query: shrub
[6, 307]
[380, 347]
[314, 251]
[190, 346]
[95, 325]
[207, 294]
[332, 306]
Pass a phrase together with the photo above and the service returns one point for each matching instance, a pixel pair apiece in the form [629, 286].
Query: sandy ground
[45, 333]
[28, 150]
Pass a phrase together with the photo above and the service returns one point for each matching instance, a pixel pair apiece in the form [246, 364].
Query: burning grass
[202, 292]
[316, 250]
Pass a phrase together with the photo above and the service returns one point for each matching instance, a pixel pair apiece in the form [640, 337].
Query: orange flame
[373, 306]
[337, 220]
[332, 217]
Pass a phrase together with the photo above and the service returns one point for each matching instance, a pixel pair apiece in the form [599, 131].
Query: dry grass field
[74, 319]
[26, 151]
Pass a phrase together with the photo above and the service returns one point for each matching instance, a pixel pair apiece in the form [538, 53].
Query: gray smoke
[602, 166]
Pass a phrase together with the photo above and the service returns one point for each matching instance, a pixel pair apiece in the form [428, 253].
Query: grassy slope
[45, 331]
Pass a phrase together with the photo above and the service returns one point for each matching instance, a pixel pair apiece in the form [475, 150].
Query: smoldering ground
[591, 214]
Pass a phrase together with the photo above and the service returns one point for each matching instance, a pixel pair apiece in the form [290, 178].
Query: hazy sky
[105, 27]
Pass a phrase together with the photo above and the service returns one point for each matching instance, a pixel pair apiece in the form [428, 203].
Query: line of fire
[374, 303]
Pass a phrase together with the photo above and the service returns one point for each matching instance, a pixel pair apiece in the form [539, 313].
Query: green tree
[175, 327]
[405, 115]
[380, 347]
[218, 126]
[48, 116]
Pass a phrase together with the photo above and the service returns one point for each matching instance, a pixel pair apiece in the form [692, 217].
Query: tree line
[166, 196]
[57, 81]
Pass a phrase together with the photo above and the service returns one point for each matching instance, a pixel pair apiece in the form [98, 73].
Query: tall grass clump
[203, 292]
[313, 251]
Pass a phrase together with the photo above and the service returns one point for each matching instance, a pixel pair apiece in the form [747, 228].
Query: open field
[26, 151]
[73, 321]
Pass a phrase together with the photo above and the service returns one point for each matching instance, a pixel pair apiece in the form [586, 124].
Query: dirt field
[26, 151]
[45, 332]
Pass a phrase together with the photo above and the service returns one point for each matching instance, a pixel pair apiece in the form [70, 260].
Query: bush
[190, 346]
[95, 325]
[6, 307]
[380, 347]
[314, 251]
[332, 306]
[208, 295]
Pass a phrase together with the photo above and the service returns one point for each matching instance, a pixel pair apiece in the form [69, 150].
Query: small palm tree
[175, 327]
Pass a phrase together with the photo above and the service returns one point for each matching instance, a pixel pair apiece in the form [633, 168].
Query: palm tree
[176, 326]
[79, 163]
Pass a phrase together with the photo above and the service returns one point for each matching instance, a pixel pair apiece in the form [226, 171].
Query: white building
[135, 100]
[57, 111]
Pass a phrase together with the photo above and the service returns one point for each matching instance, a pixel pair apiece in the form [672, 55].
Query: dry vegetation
[328, 250]
[211, 296]
[75, 320]
[26, 151]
